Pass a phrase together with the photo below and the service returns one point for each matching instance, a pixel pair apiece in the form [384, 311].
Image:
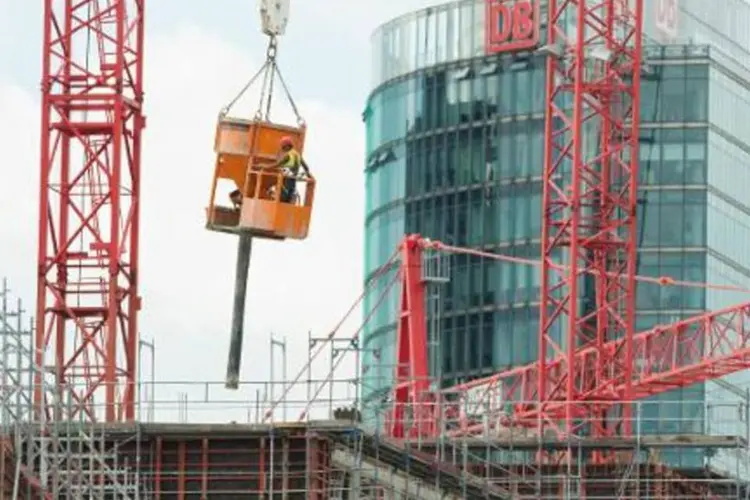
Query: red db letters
[511, 25]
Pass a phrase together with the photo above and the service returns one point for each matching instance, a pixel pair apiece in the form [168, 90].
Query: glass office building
[455, 153]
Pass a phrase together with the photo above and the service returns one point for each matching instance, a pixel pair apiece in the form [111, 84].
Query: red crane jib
[664, 358]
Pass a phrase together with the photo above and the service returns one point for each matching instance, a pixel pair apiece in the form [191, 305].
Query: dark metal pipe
[244, 249]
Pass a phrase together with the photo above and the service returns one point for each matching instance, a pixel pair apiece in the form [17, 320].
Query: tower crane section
[589, 208]
[87, 282]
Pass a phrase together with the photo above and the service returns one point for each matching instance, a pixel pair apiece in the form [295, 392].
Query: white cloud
[187, 272]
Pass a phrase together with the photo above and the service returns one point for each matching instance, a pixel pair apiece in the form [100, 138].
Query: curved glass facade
[454, 153]
[455, 31]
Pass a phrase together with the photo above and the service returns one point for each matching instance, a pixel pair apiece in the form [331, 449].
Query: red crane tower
[92, 120]
[589, 203]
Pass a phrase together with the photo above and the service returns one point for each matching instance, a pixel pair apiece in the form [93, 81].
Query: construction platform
[341, 460]
[315, 460]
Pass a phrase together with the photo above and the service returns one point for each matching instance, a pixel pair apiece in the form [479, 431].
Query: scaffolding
[48, 454]
[309, 441]
[225, 451]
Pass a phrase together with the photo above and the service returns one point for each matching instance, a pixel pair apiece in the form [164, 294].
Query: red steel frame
[589, 206]
[411, 383]
[664, 358]
[589, 215]
[589, 210]
[87, 290]
[592, 361]
[668, 357]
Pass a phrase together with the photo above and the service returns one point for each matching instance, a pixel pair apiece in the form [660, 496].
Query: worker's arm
[281, 161]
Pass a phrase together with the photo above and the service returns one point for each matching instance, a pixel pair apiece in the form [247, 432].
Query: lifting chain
[269, 70]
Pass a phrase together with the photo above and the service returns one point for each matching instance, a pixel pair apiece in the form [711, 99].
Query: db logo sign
[511, 25]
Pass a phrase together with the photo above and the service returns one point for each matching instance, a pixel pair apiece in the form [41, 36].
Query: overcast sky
[197, 55]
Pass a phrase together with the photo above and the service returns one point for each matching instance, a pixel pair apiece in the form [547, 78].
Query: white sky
[196, 58]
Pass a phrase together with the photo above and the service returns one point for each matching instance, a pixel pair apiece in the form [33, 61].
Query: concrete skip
[403, 485]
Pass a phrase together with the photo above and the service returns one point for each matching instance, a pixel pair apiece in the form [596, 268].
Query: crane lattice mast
[92, 123]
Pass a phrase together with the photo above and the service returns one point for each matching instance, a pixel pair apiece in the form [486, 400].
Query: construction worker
[290, 161]
[236, 199]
